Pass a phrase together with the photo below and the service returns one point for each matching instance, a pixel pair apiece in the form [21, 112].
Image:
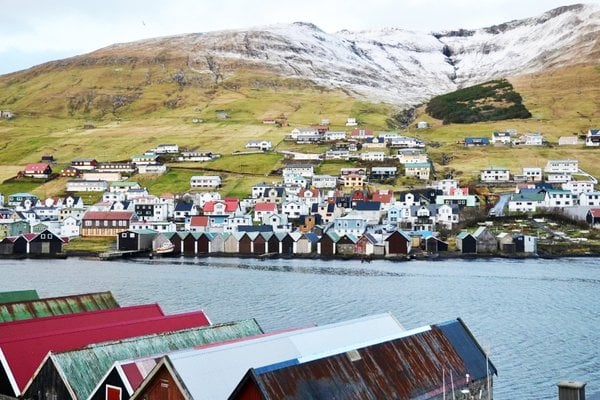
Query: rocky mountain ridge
[392, 65]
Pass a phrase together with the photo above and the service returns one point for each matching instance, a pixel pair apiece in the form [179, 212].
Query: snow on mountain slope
[392, 65]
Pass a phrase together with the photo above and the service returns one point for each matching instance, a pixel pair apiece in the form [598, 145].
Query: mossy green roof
[56, 306]
[83, 368]
[18, 295]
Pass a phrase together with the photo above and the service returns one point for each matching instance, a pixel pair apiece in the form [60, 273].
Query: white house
[373, 156]
[146, 158]
[294, 209]
[495, 174]
[166, 149]
[101, 176]
[196, 156]
[533, 174]
[69, 227]
[384, 172]
[501, 137]
[205, 181]
[350, 224]
[337, 154]
[422, 125]
[411, 156]
[589, 199]
[530, 139]
[526, 201]
[305, 170]
[264, 145]
[404, 142]
[569, 141]
[562, 166]
[81, 185]
[593, 138]
[262, 209]
[156, 168]
[558, 177]
[332, 136]
[559, 198]
[418, 170]
[351, 122]
[578, 187]
[324, 181]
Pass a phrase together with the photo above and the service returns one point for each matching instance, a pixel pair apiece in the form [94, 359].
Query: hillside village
[305, 213]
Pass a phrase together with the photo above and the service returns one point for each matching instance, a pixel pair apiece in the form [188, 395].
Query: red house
[106, 223]
[38, 170]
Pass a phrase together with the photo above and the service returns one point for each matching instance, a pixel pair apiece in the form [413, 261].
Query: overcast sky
[36, 31]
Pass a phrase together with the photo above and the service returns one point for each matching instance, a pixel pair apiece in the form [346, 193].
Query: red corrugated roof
[595, 212]
[24, 355]
[29, 236]
[38, 167]
[199, 220]
[262, 206]
[134, 375]
[230, 205]
[108, 215]
[33, 327]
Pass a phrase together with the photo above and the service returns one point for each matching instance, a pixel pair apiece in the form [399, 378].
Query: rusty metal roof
[410, 367]
[56, 306]
[18, 295]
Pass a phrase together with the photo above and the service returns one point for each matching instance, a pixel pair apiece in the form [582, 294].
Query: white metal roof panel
[214, 372]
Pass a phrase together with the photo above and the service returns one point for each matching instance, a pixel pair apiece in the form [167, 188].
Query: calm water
[539, 319]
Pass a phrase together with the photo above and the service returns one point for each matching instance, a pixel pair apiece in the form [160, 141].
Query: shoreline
[95, 255]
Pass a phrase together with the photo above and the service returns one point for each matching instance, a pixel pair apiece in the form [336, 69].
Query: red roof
[36, 167]
[29, 236]
[383, 197]
[108, 215]
[33, 327]
[24, 355]
[263, 206]
[231, 205]
[595, 212]
[314, 193]
[199, 220]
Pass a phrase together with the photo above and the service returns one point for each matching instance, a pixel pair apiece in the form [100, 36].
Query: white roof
[214, 372]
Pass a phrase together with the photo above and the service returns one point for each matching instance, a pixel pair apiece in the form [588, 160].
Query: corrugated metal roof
[57, 306]
[84, 368]
[108, 215]
[42, 326]
[22, 368]
[410, 367]
[18, 295]
[224, 366]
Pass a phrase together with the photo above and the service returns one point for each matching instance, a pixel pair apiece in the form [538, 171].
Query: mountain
[391, 65]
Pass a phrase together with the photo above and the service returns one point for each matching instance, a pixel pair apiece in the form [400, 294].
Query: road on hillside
[498, 209]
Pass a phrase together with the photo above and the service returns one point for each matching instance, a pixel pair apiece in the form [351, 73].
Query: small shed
[432, 244]
[486, 241]
[286, 243]
[397, 244]
[7, 246]
[327, 244]
[525, 244]
[46, 243]
[346, 244]
[466, 243]
[506, 244]
[135, 240]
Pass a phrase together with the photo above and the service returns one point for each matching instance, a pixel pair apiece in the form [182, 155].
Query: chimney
[571, 390]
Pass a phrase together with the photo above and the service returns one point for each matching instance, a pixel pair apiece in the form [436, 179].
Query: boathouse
[62, 370]
[139, 240]
[466, 243]
[397, 244]
[214, 372]
[486, 241]
[410, 365]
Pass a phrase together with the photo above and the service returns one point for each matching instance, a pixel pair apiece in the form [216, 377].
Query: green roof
[56, 306]
[82, 369]
[18, 295]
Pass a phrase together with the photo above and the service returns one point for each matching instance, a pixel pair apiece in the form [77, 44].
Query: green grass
[92, 244]
[260, 163]
[333, 167]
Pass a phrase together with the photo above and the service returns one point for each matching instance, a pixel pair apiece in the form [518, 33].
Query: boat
[162, 246]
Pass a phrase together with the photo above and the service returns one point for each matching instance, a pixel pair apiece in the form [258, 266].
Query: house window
[43, 236]
[124, 235]
[49, 236]
[132, 235]
[113, 393]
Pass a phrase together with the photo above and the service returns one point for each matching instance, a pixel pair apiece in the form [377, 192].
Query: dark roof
[403, 368]
[255, 228]
[367, 206]
[183, 206]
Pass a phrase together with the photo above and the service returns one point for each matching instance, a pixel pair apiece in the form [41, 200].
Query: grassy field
[51, 115]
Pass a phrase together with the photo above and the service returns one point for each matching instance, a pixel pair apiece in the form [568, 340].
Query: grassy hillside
[563, 102]
[51, 118]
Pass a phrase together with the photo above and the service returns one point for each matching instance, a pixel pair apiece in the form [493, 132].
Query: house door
[45, 247]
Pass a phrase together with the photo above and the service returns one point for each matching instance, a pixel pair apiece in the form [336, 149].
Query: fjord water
[538, 319]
